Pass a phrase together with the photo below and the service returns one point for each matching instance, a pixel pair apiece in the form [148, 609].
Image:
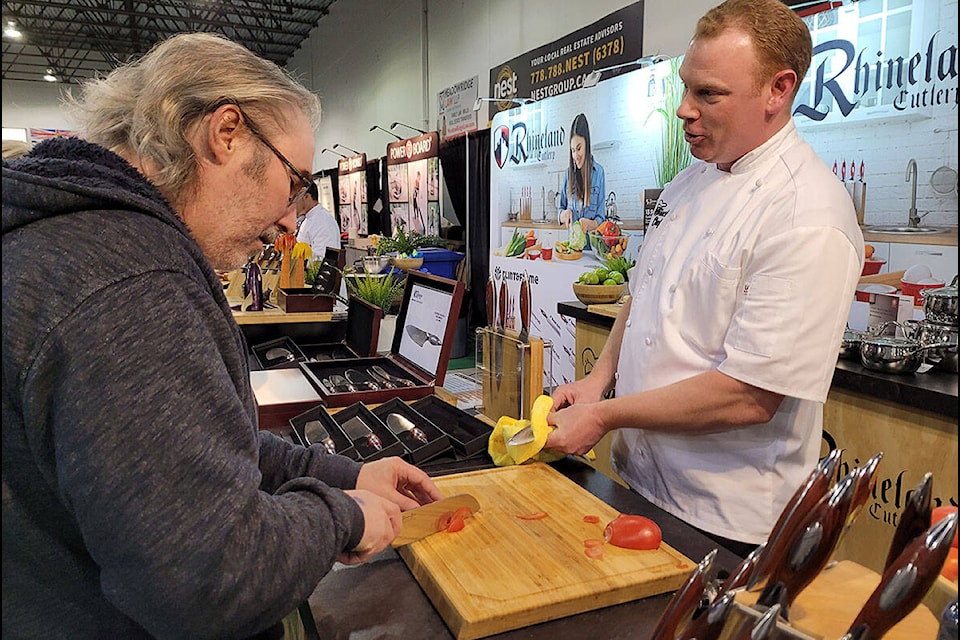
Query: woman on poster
[584, 191]
[417, 213]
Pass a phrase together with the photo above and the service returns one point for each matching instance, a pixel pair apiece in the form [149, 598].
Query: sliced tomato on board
[633, 532]
[540, 515]
[593, 542]
[444, 520]
[590, 519]
[456, 524]
[593, 552]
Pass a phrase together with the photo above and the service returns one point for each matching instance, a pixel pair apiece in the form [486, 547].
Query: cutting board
[502, 572]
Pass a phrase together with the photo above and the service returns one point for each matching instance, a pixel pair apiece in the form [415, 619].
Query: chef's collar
[758, 156]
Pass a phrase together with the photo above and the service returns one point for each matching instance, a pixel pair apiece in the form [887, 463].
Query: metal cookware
[940, 305]
[850, 344]
[894, 354]
[940, 342]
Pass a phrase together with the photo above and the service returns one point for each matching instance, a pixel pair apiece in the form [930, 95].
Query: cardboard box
[418, 356]
[650, 197]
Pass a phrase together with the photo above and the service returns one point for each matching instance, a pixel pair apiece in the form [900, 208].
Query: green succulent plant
[380, 290]
[407, 244]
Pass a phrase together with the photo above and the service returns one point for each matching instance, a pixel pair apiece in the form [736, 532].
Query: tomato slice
[456, 524]
[540, 515]
[443, 522]
[633, 532]
[593, 552]
[591, 519]
[463, 512]
[593, 542]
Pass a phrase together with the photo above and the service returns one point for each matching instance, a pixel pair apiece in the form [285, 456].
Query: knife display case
[422, 439]
[316, 426]
[360, 341]
[468, 435]
[281, 353]
[319, 297]
[418, 357]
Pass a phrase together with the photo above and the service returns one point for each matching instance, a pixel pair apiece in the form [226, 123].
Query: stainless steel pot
[889, 354]
[940, 343]
[850, 343]
[940, 305]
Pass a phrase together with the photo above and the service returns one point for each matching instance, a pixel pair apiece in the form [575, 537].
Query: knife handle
[491, 303]
[741, 575]
[502, 319]
[525, 304]
[905, 582]
[709, 624]
[809, 550]
[804, 498]
[914, 519]
[686, 598]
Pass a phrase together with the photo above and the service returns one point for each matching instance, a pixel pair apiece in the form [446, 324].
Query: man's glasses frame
[296, 192]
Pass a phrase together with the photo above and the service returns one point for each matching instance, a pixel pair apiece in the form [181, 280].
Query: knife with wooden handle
[905, 582]
[866, 479]
[808, 551]
[525, 309]
[763, 628]
[914, 519]
[709, 624]
[741, 575]
[422, 521]
[686, 598]
[804, 498]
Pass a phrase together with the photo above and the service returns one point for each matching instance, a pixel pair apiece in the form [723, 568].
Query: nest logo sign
[505, 88]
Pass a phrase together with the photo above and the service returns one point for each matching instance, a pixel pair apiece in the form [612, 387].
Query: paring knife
[905, 582]
[914, 519]
[399, 424]
[361, 381]
[709, 624]
[422, 522]
[314, 433]
[357, 429]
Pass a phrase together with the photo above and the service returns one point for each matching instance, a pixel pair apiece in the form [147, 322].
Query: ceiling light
[49, 76]
[11, 31]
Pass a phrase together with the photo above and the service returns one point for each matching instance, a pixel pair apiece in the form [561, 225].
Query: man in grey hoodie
[139, 497]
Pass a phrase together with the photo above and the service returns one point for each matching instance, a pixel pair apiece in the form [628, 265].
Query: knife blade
[524, 436]
[914, 519]
[905, 582]
[314, 433]
[421, 522]
[525, 309]
[357, 429]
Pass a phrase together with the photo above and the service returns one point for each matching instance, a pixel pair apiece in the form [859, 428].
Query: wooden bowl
[598, 293]
[407, 264]
[573, 255]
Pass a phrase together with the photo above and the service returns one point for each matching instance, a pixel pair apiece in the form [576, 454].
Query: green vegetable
[578, 239]
[618, 264]
[517, 244]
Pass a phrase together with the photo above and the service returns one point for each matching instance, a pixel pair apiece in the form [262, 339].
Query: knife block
[512, 371]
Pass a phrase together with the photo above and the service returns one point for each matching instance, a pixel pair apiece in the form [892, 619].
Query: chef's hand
[578, 429]
[399, 482]
[583, 390]
[381, 524]
[566, 216]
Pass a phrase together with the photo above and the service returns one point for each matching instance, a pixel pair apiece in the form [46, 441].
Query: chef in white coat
[722, 360]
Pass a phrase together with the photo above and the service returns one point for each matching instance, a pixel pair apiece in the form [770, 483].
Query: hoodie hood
[65, 175]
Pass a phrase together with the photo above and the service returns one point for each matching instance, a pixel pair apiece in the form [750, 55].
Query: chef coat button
[648, 341]
[649, 271]
[673, 216]
[759, 182]
[709, 232]
[672, 288]
[616, 375]
[629, 322]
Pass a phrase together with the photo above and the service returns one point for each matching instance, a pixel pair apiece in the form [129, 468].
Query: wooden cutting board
[502, 572]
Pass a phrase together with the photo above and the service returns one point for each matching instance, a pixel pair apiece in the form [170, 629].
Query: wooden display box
[468, 435]
[437, 443]
[363, 332]
[319, 297]
[418, 357]
[281, 394]
[343, 445]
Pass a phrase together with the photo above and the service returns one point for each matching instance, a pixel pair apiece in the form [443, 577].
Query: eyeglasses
[297, 189]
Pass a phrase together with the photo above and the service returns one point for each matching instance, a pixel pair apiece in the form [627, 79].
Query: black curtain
[376, 176]
[466, 172]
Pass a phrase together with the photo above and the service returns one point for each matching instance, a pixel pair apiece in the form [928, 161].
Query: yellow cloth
[504, 455]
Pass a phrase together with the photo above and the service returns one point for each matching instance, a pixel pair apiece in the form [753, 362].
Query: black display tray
[342, 443]
[468, 434]
[281, 353]
[418, 452]
[390, 444]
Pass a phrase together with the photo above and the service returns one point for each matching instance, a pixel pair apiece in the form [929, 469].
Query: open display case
[360, 341]
[418, 357]
[319, 297]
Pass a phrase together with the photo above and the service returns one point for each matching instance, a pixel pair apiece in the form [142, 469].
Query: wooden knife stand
[512, 371]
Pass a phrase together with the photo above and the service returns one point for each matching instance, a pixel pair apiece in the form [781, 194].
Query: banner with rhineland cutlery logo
[414, 184]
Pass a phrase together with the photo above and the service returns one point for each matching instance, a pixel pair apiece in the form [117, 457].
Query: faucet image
[913, 220]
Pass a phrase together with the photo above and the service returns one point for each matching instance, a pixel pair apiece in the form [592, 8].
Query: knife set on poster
[792, 576]
[511, 361]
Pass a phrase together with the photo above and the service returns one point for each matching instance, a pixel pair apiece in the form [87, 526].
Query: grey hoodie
[139, 497]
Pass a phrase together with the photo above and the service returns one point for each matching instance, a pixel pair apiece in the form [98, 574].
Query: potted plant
[406, 247]
[674, 151]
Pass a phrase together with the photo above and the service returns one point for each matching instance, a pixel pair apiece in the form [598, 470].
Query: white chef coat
[751, 272]
[320, 230]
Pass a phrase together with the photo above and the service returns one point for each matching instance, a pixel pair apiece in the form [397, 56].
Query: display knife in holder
[513, 371]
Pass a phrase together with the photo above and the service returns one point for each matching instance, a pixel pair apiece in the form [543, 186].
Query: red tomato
[594, 552]
[456, 524]
[633, 532]
[591, 519]
[949, 570]
[463, 512]
[941, 512]
[593, 542]
[540, 515]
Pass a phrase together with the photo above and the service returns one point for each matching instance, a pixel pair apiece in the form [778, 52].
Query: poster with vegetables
[413, 184]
